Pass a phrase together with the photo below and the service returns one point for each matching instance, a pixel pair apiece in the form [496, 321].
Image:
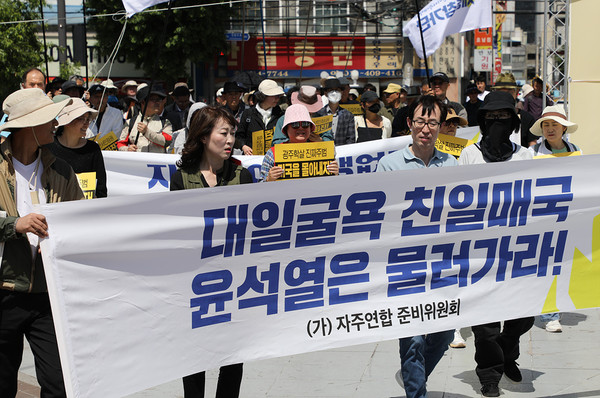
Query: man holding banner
[496, 351]
[31, 176]
[420, 354]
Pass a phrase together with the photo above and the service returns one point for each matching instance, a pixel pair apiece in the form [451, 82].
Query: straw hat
[296, 113]
[506, 80]
[556, 113]
[76, 109]
[30, 107]
[462, 122]
[108, 84]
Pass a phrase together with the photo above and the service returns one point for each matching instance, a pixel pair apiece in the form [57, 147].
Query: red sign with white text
[483, 38]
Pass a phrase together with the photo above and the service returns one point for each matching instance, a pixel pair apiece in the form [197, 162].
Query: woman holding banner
[206, 162]
[70, 144]
[297, 127]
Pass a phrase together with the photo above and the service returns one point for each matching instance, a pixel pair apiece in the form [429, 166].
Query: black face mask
[495, 144]
[375, 108]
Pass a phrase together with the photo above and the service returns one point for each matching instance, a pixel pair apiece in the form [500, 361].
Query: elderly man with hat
[506, 82]
[72, 89]
[232, 93]
[309, 97]
[177, 111]
[31, 175]
[109, 119]
[395, 97]
[497, 348]
[150, 133]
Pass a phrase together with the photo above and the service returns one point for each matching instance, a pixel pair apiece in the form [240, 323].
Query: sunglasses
[296, 125]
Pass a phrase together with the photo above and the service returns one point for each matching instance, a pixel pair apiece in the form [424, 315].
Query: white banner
[441, 18]
[131, 173]
[148, 288]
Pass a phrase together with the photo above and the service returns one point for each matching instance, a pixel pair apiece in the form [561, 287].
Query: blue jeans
[555, 316]
[418, 357]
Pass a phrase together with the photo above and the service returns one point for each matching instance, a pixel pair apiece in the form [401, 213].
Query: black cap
[332, 84]
[143, 93]
[69, 84]
[495, 101]
[368, 96]
[234, 87]
[440, 75]
[96, 88]
[181, 91]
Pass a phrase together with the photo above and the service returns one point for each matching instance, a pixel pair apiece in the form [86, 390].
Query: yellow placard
[309, 159]
[322, 123]
[87, 182]
[261, 141]
[355, 109]
[451, 145]
[108, 142]
[558, 155]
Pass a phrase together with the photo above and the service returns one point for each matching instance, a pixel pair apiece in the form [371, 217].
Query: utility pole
[62, 32]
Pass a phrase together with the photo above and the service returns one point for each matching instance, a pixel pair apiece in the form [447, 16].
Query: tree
[20, 49]
[194, 34]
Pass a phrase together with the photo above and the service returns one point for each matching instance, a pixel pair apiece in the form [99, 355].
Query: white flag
[441, 18]
[135, 6]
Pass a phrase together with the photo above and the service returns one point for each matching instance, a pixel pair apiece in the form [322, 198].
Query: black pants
[494, 348]
[23, 314]
[228, 386]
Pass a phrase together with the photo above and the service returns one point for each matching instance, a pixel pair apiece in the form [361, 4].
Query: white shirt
[25, 206]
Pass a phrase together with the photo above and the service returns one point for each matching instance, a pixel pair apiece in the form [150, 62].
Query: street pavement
[563, 365]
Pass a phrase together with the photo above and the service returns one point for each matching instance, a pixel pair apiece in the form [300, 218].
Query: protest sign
[355, 109]
[322, 123]
[261, 141]
[87, 182]
[308, 159]
[148, 288]
[108, 142]
[451, 145]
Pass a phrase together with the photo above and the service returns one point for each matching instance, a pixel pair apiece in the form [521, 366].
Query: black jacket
[251, 121]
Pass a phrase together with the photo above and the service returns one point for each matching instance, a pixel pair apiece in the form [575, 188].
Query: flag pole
[423, 43]
[45, 45]
[161, 44]
[262, 25]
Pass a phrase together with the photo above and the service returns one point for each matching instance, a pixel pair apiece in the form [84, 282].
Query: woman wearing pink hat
[297, 126]
[552, 126]
[70, 144]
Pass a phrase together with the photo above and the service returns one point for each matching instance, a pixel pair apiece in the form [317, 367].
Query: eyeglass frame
[296, 125]
[489, 116]
[421, 124]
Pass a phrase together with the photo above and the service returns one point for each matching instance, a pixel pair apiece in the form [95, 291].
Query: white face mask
[334, 96]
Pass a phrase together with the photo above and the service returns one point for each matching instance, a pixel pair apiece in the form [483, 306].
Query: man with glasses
[496, 351]
[420, 354]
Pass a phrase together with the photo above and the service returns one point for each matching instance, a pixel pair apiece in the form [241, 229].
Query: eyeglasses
[421, 123]
[296, 125]
[497, 115]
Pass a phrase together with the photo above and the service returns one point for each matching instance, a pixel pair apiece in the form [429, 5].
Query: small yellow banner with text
[451, 145]
[309, 159]
[87, 182]
[108, 142]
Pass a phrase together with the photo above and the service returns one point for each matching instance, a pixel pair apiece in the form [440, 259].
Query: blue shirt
[404, 159]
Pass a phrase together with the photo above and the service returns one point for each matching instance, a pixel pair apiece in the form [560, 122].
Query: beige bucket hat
[29, 108]
[76, 109]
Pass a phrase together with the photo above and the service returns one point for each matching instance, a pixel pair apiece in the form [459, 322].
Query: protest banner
[108, 142]
[355, 109]
[130, 173]
[451, 145]
[308, 159]
[261, 141]
[322, 123]
[148, 288]
[87, 182]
